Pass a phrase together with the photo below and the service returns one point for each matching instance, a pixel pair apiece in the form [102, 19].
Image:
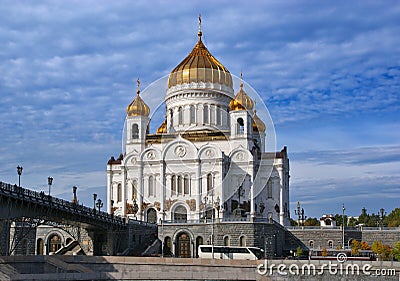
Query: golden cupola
[241, 101]
[138, 107]
[258, 124]
[163, 127]
[200, 66]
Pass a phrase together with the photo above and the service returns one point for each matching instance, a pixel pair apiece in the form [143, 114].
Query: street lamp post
[99, 204]
[49, 182]
[94, 201]
[162, 231]
[212, 224]
[343, 209]
[19, 171]
[382, 215]
[298, 213]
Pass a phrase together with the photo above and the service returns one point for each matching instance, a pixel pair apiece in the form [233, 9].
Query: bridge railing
[54, 202]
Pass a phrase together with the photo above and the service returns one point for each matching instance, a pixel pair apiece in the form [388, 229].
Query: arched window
[199, 241]
[269, 188]
[242, 241]
[330, 244]
[212, 114]
[240, 126]
[179, 185]
[151, 186]
[134, 189]
[311, 243]
[39, 246]
[135, 131]
[151, 216]
[180, 214]
[186, 185]
[328, 222]
[205, 114]
[209, 182]
[192, 114]
[227, 241]
[55, 243]
[173, 185]
[218, 115]
[180, 116]
[167, 246]
[171, 114]
[119, 193]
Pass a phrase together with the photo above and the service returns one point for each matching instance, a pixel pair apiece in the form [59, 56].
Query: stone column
[109, 188]
[281, 210]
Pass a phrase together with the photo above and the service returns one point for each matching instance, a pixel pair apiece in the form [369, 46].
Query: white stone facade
[208, 157]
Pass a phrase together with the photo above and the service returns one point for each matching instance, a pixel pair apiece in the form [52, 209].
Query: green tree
[382, 250]
[299, 252]
[393, 219]
[396, 251]
[311, 222]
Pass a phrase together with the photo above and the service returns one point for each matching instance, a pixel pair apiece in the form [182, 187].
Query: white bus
[227, 252]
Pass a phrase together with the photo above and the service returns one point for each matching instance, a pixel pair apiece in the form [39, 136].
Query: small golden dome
[138, 107]
[200, 66]
[241, 101]
[258, 124]
[163, 128]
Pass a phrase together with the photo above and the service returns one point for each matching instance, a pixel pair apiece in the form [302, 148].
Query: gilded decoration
[192, 204]
[144, 205]
[169, 203]
[157, 205]
[129, 208]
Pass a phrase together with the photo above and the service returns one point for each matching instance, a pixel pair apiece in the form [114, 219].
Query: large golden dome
[241, 101]
[200, 66]
[258, 124]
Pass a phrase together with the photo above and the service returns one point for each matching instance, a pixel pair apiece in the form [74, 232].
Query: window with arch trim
[311, 243]
[186, 185]
[240, 126]
[179, 184]
[269, 188]
[180, 115]
[330, 244]
[242, 241]
[151, 186]
[119, 192]
[209, 182]
[192, 114]
[135, 131]
[205, 114]
[227, 241]
[219, 122]
[173, 185]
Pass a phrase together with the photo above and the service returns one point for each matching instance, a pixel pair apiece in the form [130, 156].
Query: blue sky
[328, 71]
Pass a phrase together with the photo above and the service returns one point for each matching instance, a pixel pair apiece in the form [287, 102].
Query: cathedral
[207, 159]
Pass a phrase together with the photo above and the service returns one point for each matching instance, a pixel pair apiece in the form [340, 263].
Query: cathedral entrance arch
[183, 244]
[55, 243]
[151, 215]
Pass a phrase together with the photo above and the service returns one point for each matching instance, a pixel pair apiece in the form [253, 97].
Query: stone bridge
[105, 233]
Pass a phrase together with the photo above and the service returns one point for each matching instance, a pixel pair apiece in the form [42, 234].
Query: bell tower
[241, 120]
[137, 123]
